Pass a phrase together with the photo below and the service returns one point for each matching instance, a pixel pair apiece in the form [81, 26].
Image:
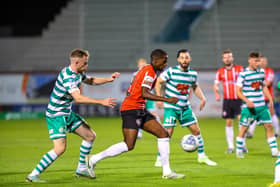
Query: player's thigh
[187, 118]
[263, 116]
[247, 117]
[170, 116]
[155, 128]
[85, 132]
[236, 107]
[57, 127]
[228, 109]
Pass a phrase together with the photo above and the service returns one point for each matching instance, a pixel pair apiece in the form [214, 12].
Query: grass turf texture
[23, 143]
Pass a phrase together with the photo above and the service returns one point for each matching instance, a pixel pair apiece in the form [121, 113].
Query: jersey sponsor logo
[183, 88]
[256, 85]
[50, 131]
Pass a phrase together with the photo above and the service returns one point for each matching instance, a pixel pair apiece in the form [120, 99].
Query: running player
[231, 103]
[135, 116]
[150, 105]
[251, 89]
[61, 119]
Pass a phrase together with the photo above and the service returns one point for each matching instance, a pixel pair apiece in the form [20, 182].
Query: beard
[184, 66]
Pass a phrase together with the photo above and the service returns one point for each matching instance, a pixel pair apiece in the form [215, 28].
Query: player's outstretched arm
[99, 81]
[79, 98]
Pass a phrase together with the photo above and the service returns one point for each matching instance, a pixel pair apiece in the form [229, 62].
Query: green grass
[23, 142]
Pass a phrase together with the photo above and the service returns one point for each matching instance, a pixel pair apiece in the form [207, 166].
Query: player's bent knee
[59, 150]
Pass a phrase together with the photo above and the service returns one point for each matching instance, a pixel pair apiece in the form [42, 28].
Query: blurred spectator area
[117, 33]
[27, 18]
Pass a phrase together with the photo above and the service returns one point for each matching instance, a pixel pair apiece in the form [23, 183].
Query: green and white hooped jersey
[178, 84]
[60, 102]
[252, 82]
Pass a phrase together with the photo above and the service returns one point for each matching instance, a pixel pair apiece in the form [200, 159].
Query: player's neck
[73, 68]
[229, 67]
[252, 68]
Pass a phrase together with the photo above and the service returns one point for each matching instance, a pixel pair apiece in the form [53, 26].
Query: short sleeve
[166, 75]
[217, 77]
[240, 80]
[70, 84]
[148, 79]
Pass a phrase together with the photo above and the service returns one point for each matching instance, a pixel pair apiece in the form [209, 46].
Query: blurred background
[36, 38]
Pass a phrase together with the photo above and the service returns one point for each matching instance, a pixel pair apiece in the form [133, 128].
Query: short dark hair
[227, 51]
[79, 53]
[158, 53]
[254, 54]
[182, 51]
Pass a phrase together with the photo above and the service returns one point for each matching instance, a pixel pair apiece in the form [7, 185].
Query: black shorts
[231, 108]
[135, 119]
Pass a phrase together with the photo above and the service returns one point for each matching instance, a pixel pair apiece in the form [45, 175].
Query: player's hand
[115, 75]
[250, 104]
[159, 104]
[202, 104]
[110, 102]
[172, 100]
[218, 97]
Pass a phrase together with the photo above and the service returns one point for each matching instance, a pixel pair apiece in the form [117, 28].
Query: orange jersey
[228, 78]
[144, 78]
[269, 76]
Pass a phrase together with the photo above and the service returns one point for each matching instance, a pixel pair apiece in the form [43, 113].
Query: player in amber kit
[269, 76]
[231, 103]
[135, 116]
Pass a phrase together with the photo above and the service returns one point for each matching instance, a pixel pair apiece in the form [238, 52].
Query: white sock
[272, 142]
[164, 150]
[229, 137]
[252, 128]
[46, 160]
[275, 123]
[111, 151]
[85, 149]
[277, 170]
[200, 149]
[239, 145]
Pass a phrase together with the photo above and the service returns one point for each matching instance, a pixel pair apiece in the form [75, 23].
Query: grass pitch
[23, 142]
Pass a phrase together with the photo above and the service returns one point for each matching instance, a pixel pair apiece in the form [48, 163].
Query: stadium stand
[119, 32]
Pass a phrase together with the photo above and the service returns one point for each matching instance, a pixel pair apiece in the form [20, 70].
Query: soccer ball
[189, 143]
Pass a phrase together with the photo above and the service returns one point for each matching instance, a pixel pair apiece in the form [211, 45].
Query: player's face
[263, 62]
[82, 64]
[184, 60]
[160, 63]
[227, 59]
[254, 63]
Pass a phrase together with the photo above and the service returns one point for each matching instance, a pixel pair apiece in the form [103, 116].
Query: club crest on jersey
[256, 85]
[183, 88]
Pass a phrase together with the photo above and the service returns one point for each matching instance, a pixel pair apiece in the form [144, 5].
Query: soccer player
[135, 116]
[269, 76]
[179, 80]
[150, 105]
[251, 88]
[61, 119]
[231, 103]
